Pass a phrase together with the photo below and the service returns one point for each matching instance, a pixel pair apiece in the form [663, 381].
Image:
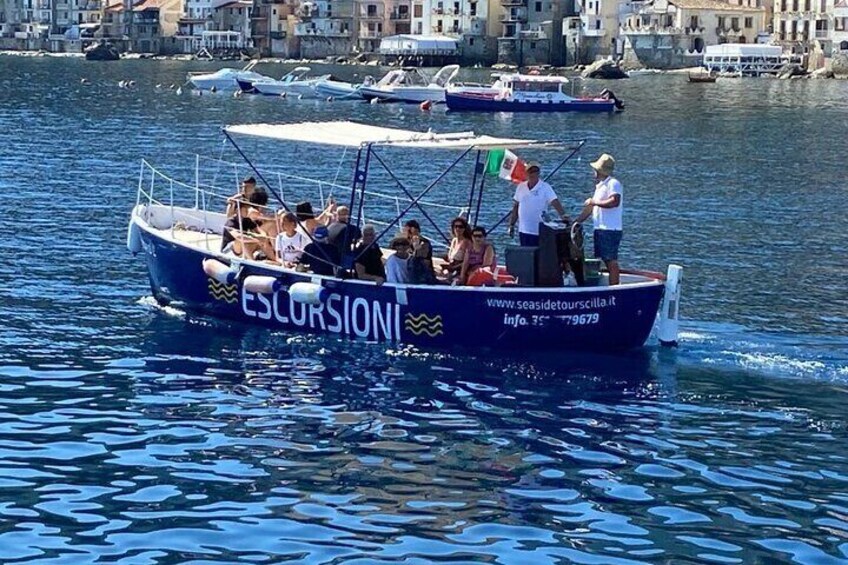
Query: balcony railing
[822, 34]
[519, 17]
[400, 16]
[370, 34]
[370, 16]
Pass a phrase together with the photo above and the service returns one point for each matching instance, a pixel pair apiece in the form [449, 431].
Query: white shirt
[532, 204]
[290, 249]
[397, 269]
[608, 218]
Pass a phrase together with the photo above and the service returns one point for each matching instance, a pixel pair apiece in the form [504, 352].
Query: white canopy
[352, 134]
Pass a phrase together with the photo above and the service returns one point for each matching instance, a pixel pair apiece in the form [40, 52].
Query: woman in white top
[290, 242]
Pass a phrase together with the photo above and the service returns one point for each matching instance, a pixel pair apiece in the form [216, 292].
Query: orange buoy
[426, 105]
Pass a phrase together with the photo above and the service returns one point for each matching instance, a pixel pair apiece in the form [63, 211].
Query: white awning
[352, 134]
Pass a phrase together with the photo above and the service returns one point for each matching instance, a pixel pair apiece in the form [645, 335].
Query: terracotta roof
[146, 5]
[236, 4]
[714, 5]
[117, 7]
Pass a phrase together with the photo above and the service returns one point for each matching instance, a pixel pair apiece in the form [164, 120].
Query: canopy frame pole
[363, 179]
[479, 201]
[409, 195]
[326, 258]
[419, 197]
[473, 185]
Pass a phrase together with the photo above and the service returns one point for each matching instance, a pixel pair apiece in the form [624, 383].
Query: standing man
[530, 202]
[606, 207]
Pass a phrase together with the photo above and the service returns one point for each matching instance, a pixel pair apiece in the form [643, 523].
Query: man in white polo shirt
[530, 202]
[606, 206]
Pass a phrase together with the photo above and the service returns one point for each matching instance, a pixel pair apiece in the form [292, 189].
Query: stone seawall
[660, 52]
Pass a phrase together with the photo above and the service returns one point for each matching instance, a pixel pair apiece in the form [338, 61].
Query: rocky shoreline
[835, 68]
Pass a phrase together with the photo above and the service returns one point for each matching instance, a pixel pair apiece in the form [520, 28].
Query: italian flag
[506, 164]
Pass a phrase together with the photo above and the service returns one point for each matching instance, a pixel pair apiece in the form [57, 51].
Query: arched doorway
[843, 46]
[698, 44]
[742, 39]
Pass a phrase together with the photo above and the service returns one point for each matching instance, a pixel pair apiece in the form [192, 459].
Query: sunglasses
[480, 235]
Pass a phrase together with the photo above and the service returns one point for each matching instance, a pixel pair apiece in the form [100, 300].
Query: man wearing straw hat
[606, 207]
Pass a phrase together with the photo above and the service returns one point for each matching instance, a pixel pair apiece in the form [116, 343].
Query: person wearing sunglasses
[480, 254]
[532, 198]
[460, 242]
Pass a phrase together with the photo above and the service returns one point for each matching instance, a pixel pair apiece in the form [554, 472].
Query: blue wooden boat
[181, 245]
[527, 93]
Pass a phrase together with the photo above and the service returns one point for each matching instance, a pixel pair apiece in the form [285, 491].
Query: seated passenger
[242, 238]
[480, 254]
[458, 246]
[368, 258]
[343, 234]
[397, 265]
[421, 264]
[260, 213]
[321, 257]
[289, 243]
[306, 216]
[248, 185]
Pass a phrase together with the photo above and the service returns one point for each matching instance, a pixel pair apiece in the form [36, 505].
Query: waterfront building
[802, 26]
[667, 34]
[839, 36]
[273, 24]
[592, 33]
[381, 18]
[325, 28]
[232, 29]
[532, 31]
[466, 21]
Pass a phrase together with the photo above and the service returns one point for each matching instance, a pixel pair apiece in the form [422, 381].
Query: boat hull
[601, 318]
[483, 103]
[277, 88]
[338, 90]
[410, 95]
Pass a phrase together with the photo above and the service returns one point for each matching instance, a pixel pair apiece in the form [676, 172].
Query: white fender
[308, 293]
[134, 238]
[258, 284]
[670, 307]
[219, 271]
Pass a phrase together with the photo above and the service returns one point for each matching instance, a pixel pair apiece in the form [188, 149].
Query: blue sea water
[133, 433]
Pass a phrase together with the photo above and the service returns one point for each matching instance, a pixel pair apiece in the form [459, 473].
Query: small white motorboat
[340, 90]
[409, 84]
[226, 79]
[295, 83]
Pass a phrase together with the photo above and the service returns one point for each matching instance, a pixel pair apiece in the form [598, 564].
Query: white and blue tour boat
[176, 228]
[527, 93]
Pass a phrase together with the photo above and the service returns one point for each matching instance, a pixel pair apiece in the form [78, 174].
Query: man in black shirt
[343, 234]
[319, 255]
[368, 261]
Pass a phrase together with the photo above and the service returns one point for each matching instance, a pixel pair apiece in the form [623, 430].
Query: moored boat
[411, 85]
[182, 249]
[527, 93]
[226, 79]
[297, 82]
[331, 87]
[702, 75]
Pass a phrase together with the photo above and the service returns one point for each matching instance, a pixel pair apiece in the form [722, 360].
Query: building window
[417, 11]
[471, 41]
[372, 10]
[456, 9]
[721, 22]
[693, 22]
[749, 23]
[538, 6]
[472, 8]
[734, 24]
[806, 5]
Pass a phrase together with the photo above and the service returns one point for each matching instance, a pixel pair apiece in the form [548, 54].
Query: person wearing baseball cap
[606, 207]
[532, 198]
[321, 256]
